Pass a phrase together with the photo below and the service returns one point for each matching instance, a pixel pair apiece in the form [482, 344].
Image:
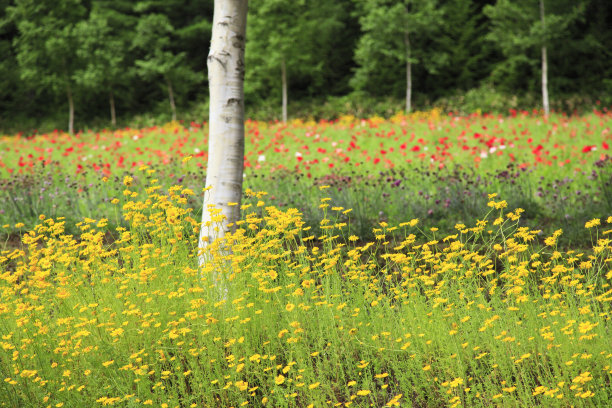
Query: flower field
[438, 168]
[314, 148]
[377, 263]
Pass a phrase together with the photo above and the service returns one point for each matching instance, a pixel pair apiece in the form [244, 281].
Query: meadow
[438, 168]
[428, 260]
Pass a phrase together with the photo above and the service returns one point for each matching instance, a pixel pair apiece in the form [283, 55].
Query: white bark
[111, 99]
[284, 85]
[408, 74]
[70, 109]
[545, 103]
[226, 123]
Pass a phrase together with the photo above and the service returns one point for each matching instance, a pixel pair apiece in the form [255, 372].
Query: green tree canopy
[153, 40]
[396, 31]
[47, 43]
[103, 48]
[146, 54]
[519, 31]
[287, 39]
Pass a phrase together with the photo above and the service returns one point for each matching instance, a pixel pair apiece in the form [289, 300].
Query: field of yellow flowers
[283, 317]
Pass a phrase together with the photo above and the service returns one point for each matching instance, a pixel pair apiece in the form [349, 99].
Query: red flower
[588, 148]
[537, 150]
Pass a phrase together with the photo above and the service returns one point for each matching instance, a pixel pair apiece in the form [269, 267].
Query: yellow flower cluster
[282, 315]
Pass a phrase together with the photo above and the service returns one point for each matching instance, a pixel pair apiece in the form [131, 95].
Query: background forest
[143, 62]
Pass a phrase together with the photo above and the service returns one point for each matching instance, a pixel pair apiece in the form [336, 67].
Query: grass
[429, 324]
[438, 198]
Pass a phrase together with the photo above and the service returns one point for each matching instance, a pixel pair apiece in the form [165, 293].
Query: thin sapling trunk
[284, 85]
[171, 98]
[545, 102]
[111, 100]
[408, 73]
[70, 109]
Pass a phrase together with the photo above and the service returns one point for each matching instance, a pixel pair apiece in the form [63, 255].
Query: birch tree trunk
[226, 123]
[284, 85]
[545, 103]
[70, 109]
[111, 100]
[408, 73]
[171, 98]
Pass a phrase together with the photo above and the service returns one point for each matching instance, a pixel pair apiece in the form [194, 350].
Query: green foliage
[468, 54]
[103, 48]
[11, 81]
[333, 51]
[153, 41]
[300, 34]
[47, 41]
[397, 31]
[485, 98]
[46, 45]
[518, 30]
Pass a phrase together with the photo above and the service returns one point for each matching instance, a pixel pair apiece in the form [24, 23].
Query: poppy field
[428, 165]
[429, 260]
[316, 148]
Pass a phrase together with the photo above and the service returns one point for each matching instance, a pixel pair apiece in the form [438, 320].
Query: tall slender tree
[545, 102]
[103, 48]
[158, 60]
[462, 40]
[519, 26]
[191, 23]
[286, 42]
[47, 43]
[394, 30]
[221, 208]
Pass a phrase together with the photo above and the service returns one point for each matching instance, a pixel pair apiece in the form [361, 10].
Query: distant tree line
[107, 58]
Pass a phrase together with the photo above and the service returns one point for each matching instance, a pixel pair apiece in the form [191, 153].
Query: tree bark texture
[226, 123]
[284, 86]
[70, 109]
[111, 100]
[171, 98]
[545, 102]
[408, 73]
